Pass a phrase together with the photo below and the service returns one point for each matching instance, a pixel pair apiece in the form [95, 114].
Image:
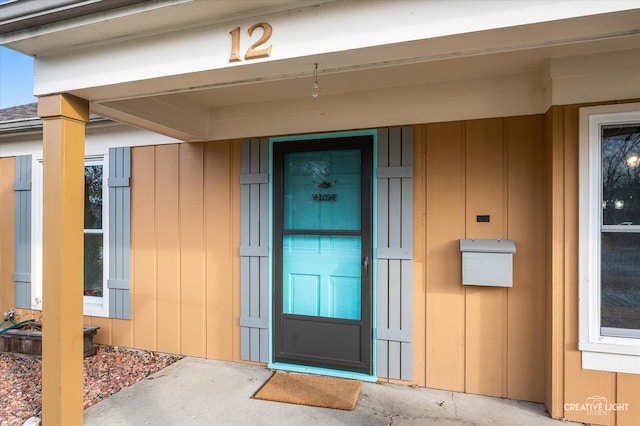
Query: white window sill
[611, 362]
[95, 307]
[613, 354]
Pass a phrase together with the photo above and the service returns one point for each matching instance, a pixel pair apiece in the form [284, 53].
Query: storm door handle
[365, 263]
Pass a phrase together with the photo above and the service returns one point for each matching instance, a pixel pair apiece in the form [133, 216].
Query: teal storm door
[322, 197]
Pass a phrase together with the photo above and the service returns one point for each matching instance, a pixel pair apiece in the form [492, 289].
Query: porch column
[64, 118]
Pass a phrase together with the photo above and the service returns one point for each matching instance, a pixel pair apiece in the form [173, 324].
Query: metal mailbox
[487, 262]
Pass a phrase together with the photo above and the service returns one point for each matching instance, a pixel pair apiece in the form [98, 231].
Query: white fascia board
[358, 31]
[98, 139]
[596, 77]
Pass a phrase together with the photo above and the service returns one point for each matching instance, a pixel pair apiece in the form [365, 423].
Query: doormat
[305, 389]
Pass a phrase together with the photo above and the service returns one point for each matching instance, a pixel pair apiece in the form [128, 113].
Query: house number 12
[253, 52]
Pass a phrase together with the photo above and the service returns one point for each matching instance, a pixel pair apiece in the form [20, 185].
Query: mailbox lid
[487, 245]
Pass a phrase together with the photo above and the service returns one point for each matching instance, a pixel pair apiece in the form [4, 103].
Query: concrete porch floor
[196, 391]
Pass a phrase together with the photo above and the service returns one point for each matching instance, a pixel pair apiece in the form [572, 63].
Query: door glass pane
[620, 281]
[93, 256]
[621, 175]
[321, 276]
[322, 190]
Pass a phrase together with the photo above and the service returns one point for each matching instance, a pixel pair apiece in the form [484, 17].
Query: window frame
[599, 352]
[92, 305]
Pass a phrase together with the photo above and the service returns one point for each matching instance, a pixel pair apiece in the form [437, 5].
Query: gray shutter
[119, 233]
[22, 241]
[395, 253]
[254, 251]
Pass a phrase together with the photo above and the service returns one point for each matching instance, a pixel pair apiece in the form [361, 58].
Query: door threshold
[322, 371]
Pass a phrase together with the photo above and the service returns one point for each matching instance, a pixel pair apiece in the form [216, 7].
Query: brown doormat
[305, 389]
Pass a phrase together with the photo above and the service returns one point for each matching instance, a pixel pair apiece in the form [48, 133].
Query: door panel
[322, 248]
[322, 276]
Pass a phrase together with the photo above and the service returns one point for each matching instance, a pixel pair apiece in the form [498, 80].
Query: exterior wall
[567, 382]
[480, 339]
[518, 343]
[7, 176]
[185, 252]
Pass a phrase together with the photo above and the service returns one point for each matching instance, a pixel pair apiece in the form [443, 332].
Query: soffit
[32, 14]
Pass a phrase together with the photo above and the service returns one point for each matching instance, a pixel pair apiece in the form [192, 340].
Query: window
[107, 232]
[96, 250]
[610, 237]
[95, 193]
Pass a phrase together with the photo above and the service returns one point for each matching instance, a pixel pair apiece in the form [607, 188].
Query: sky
[16, 78]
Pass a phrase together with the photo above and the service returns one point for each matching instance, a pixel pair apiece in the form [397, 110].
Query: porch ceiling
[188, 113]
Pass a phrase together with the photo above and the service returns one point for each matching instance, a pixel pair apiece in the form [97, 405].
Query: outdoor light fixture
[633, 159]
[315, 90]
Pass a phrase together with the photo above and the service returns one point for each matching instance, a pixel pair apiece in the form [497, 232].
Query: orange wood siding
[7, 212]
[184, 240]
[222, 241]
[419, 253]
[554, 265]
[628, 391]
[481, 339]
[168, 250]
[445, 218]
[526, 332]
[193, 286]
[485, 326]
[567, 382]
[144, 271]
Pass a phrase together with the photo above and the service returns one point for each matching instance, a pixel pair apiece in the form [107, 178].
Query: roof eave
[34, 125]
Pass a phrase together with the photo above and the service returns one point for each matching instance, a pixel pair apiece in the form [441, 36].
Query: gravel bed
[107, 372]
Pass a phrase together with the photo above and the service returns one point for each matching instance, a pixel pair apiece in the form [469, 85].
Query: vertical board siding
[143, 241]
[22, 223]
[627, 392]
[182, 207]
[445, 225]
[482, 339]
[554, 262]
[119, 233]
[254, 250]
[219, 241]
[168, 247]
[7, 232]
[485, 317]
[394, 313]
[419, 255]
[526, 302]
[192, 263]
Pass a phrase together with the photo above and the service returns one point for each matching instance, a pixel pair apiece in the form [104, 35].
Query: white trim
[36, 233]
[98, 140]
[618, 363]
[599, 352]
[93, 306]
[99, 306]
